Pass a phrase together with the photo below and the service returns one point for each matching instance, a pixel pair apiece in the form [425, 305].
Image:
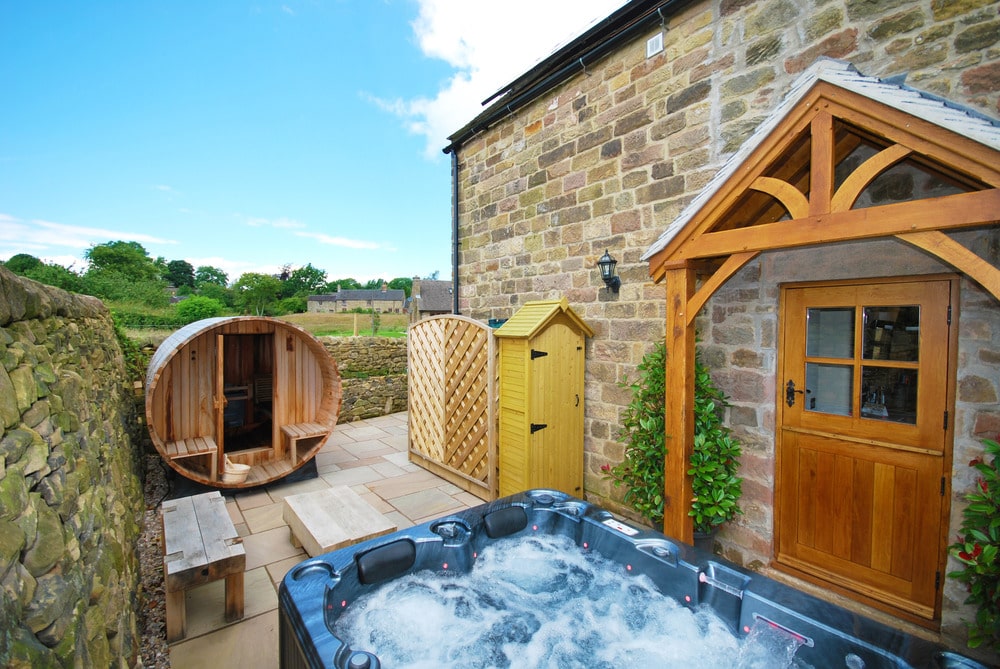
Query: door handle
[790, 392]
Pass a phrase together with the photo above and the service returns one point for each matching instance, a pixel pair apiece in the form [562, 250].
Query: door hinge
[937, 580]
[949, 314]
[535, 427]
[942, 486]
[945, 428]
[538, 354]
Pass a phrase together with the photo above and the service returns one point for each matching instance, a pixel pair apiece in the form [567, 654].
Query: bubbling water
[540, 602]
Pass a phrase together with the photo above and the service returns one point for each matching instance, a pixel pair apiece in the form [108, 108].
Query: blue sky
[250, 134]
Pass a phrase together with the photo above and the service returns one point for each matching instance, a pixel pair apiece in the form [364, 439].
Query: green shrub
[196, 308]
[290, 305]
[978, 549]
[644, 434]
[714, 458]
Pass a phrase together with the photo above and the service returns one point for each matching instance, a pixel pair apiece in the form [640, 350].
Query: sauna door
[864, 440]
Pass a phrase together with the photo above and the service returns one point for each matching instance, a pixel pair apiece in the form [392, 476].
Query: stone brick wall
[367, 355]
[373, 371]
[610, 158]
[70, 497]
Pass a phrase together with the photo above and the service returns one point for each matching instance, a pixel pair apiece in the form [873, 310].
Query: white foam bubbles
[542, 603]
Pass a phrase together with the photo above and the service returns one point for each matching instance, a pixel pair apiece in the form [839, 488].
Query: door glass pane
[830, 332]
[889, 393]
[829, 388]
[892, 333]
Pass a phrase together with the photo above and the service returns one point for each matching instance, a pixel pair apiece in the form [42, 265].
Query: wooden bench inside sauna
[246, 395]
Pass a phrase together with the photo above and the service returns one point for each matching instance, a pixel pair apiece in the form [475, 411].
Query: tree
[433, 276]
[305, 281]
[50, 274]
[217, 292]
[206, 274]
[373, 284]
[125, 258]
[402, 282]
[56, 275]
[255, 292]
[342, 284]
[179, 273]
[22, 263]
[123, 272]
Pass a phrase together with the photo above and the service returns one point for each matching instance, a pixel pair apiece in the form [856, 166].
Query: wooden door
[556, 409]
[864, 440]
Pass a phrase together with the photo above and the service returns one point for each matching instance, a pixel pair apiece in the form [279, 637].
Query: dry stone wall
[70, 496]
[373, 371]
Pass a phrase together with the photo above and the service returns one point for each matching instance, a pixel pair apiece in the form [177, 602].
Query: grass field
[343, 325]
[318, 325]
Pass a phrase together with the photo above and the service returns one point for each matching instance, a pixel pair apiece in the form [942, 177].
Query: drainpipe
[454, 231]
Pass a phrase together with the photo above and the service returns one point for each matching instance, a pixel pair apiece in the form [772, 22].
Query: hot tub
[316, 593]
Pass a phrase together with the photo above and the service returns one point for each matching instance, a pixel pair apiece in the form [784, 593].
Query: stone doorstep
[329, 519]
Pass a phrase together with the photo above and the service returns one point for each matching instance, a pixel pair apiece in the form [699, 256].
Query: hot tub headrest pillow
[385, 562]
[503, 522]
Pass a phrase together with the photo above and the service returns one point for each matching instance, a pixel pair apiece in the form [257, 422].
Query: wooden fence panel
[452, 404]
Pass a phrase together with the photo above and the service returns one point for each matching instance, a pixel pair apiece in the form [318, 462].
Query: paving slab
[252, 643]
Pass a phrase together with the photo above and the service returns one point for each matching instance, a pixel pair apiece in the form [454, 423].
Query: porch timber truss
[797, 189]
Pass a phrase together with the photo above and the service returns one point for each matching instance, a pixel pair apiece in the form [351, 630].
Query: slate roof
[600, 39]
[433, 295]
[890, 92]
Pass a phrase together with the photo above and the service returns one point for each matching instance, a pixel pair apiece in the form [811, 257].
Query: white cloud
[489, 44]
[341, 241]
[47, 234]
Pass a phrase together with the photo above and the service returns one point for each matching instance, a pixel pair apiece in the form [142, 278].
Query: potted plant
[978, 550]
[714, 460]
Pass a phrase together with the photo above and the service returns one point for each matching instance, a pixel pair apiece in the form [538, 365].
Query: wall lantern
[607, 266]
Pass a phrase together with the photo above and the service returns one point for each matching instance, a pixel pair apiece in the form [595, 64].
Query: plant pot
[705, 541]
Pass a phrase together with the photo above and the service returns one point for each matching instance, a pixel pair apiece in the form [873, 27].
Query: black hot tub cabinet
[313, 593]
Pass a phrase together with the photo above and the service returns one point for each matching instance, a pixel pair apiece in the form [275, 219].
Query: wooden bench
[195, 446]
[200, 545]
[325, 520]
[295, 432]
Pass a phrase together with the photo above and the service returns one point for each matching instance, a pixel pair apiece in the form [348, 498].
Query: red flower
[983, 486]
[976, 461]
[976, 552]
[605, 468]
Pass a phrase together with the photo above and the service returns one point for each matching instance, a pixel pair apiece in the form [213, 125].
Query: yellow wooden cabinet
[542, 354]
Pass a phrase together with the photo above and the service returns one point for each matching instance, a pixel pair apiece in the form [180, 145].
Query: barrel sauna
[237, 402]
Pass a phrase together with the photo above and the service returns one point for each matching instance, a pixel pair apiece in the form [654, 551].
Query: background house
[430, 298]
[606, 143]
[385, 300]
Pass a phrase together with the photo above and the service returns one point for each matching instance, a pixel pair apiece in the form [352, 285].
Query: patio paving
[370, 457]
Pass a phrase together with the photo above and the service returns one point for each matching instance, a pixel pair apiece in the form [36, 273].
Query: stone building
[634, 134]
[430, 298]
[385, 300]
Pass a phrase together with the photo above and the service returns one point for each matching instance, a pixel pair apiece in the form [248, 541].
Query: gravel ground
[153, 617]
